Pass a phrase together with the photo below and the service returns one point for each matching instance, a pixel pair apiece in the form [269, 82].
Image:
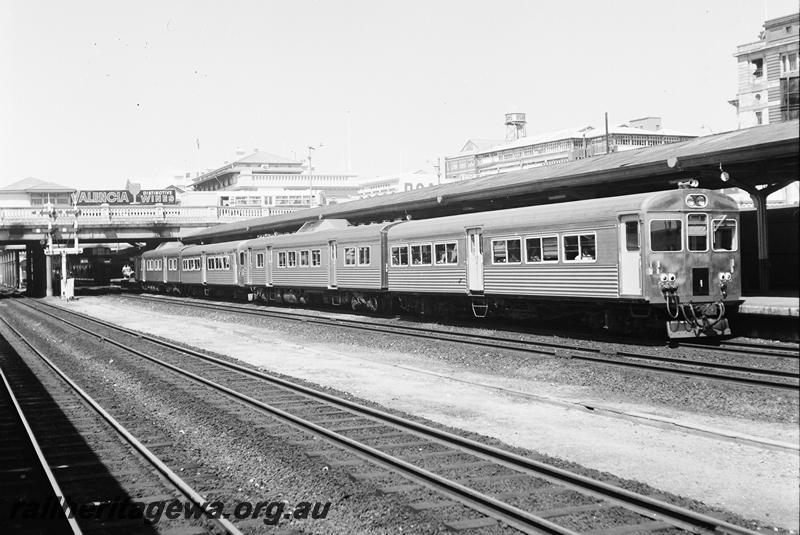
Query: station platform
[775, 317]
[764, 305]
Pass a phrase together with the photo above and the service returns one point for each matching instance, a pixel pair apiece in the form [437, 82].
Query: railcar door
[268, 266]
[332, 266]
[244, 267]
[164, 268]
[474, 260]
[630, 255]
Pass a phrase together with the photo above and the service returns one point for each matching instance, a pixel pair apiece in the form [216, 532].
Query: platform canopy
[758, 156]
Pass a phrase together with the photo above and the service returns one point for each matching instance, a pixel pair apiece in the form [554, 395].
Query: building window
[788, 62]
[400, 255]
[580, 248]
[759, 117]
[757, 65]
[790, 98]
[544, 249]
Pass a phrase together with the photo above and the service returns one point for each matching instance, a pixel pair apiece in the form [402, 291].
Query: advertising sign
[156, 196]
[92, 197]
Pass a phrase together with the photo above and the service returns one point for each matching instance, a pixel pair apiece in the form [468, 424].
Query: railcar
[621, 263]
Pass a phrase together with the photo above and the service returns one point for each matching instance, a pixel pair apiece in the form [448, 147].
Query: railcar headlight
[724, 277]
[696, 200]
[672, 277]
[664, 277]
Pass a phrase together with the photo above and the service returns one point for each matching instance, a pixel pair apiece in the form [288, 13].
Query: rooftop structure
[490, 158]
[264, 179]
[35, 192]
[399, 182]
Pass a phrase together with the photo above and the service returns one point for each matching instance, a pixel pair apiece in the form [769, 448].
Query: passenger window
[632, 236]
[697, 232]
[363, 256]
[260, 260]
[421, 255]
[580, 248]
[400, 255]
[541, 249]
[506, 251]
[291, 259]
[446, 253]
[724, 231]
[304, 258]
[316, 257]
[665, 235]
[241, 258]
[349, 256]
[281, 260]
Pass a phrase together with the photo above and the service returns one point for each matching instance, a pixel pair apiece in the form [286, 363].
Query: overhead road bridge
[760, 160]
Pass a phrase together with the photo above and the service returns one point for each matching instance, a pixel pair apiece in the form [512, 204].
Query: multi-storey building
[768, 74]
[263, 179]
[493, 157]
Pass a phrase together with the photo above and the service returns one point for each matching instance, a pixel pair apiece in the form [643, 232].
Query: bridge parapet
[137, 214]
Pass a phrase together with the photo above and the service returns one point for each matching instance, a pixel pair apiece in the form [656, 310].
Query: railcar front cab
[692, 262]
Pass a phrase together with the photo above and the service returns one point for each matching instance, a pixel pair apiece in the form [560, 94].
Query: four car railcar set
[621, 263]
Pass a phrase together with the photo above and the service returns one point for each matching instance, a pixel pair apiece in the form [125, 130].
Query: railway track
[83, 465]
[688, 367]
[529, 495]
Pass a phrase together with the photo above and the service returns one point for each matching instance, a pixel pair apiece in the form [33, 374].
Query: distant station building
[263, 179]
[396, 183]
[479, 158]
[33, 192]
[768, 74]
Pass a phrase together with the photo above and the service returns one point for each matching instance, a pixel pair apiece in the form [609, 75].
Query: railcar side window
[303, 258]
[316, 257]
[421, 255]
[198, 264]
[400, 255]
[665, 235]
[541, 249]
[697, 232]
[281, 260]
[260, 260]
[349, 256]
[291, 259]
[580, 248]
[241, 258]
[506, 251]
[724, 231]
[363, 256]
[446, 253]
[172, 264]
[632, 236]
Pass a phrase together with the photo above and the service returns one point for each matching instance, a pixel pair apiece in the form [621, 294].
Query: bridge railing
[134, 214]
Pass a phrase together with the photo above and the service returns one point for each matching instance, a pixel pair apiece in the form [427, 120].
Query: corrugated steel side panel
[308, 277]
[565, 280]
[361, 277]
[222, 276]
[428, 279]
[192, 277]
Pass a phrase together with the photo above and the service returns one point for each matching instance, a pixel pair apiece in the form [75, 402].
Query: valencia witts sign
[117, 197]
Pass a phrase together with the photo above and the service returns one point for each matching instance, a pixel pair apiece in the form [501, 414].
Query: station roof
[752, 156]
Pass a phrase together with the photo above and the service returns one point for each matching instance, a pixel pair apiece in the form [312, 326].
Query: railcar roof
[164, 248]
[574, 214]
[350, 234]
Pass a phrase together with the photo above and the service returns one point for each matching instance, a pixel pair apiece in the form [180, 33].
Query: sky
[94, 93]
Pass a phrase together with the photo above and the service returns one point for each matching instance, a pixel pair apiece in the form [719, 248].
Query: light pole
[311, 150]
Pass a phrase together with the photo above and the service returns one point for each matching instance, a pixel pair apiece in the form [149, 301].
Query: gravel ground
[232, 460]
[698, 399]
